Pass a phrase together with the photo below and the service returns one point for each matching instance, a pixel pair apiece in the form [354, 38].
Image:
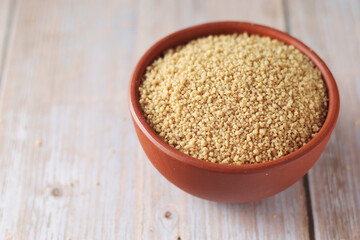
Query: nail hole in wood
[56, 192]
[167, 214]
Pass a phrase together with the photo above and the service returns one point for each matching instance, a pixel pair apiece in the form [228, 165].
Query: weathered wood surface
[332, 29]
[70, 163]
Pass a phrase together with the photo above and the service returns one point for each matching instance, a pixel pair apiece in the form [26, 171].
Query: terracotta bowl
[227, 183]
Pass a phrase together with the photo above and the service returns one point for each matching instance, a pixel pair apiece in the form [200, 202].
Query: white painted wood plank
[66, 85]
[332, 29]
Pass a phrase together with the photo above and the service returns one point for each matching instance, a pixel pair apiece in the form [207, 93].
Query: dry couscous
[234, 99]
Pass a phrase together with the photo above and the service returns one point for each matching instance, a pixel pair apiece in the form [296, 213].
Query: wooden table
[70, 164]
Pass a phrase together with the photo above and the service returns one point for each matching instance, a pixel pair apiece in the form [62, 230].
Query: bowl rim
[167, 42]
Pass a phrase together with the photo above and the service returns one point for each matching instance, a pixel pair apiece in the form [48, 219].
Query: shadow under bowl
[229, 183]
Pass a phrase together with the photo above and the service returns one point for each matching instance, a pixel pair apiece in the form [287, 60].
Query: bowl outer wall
[229, 187]
[228, 183]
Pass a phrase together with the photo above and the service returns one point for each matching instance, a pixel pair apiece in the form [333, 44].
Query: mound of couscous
[234, 99]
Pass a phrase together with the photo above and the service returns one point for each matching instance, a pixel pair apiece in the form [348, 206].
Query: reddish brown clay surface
[227, 183]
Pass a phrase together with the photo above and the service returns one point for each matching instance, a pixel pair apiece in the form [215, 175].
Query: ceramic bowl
[228, 183]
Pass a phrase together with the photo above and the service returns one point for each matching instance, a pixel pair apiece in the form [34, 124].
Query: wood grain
[66, 86]
[332, 29]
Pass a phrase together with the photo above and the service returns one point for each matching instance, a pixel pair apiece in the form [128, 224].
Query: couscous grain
[234, 99]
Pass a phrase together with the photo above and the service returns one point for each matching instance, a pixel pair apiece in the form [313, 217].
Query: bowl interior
[217, 28]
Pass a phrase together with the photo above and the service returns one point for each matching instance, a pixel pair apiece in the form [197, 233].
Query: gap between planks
[9, 27]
